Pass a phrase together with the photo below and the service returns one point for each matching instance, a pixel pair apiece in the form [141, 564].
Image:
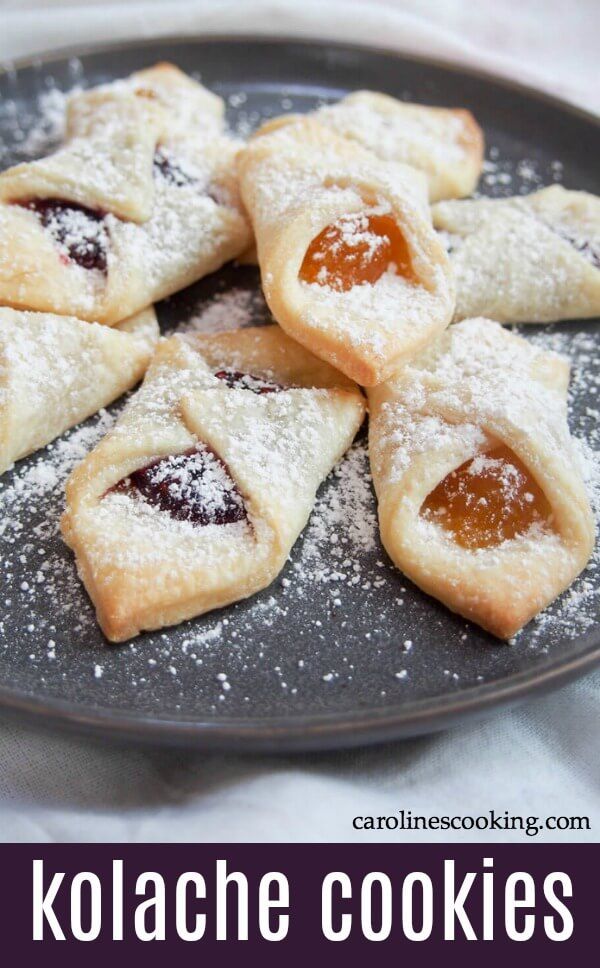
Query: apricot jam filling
[489, 499]
[357, 249]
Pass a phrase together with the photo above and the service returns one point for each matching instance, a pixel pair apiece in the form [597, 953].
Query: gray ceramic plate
[341, 649]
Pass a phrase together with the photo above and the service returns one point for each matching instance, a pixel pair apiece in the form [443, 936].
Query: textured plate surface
[341, 649]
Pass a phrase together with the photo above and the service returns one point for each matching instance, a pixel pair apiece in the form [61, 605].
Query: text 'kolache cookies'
[139, 202]
[197, 495]
[481, 502]
[350, 264]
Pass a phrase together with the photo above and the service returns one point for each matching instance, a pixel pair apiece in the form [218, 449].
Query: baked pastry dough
[526, 259]
[350, 264]
[446, 144]
[139, 202]
[197, 495]
[56, 370]
[481, 503]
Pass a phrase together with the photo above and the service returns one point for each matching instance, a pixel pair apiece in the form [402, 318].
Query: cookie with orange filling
[350, 264]
[481, 501]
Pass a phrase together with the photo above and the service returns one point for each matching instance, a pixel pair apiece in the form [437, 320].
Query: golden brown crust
[446, 144]
[478, 387]
[149, 162]
[55, 371]
[142, 568]
[296, 179]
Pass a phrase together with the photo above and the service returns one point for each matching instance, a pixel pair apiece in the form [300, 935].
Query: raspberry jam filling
[247, 381]
[357, 249]
[487, 500]
[169, 170]
[79, 231]
[194, 486]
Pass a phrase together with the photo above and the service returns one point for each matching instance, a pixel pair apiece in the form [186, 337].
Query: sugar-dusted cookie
[140, 201]
[481, 502]
[197, 495]
[56, 370]
[533, 258]
[446, 144]
[350, 264]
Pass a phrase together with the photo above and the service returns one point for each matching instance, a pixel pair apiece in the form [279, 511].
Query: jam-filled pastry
[197, 495]
[350, 264]
[481, 502]
[446, 144]
[140, 201]
[533, 258]
[56, 371]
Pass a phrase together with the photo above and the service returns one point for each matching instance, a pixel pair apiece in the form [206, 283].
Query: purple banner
[293, 902]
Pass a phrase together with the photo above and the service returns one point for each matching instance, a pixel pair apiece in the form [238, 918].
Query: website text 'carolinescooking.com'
[491, 820]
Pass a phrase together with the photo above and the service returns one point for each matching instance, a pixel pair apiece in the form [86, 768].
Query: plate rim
[43, 58]
[309, 731]
[323, 731]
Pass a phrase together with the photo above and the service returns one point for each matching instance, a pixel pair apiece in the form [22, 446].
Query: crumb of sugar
[504, 178]
[576, 611]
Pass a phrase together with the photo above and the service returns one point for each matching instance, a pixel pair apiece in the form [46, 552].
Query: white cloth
[540, 759]
[548, 43]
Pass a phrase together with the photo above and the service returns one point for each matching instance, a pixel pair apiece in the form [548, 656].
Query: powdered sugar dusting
[329, 631]
[230, 310]
[342, 529]
[576, 612]
[33, 133]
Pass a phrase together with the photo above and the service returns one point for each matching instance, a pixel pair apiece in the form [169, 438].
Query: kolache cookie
[528, 259]
[195, 498]
[446, 144]
[140, 201]
[56, 371]
[350, 264]
[481, 502]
